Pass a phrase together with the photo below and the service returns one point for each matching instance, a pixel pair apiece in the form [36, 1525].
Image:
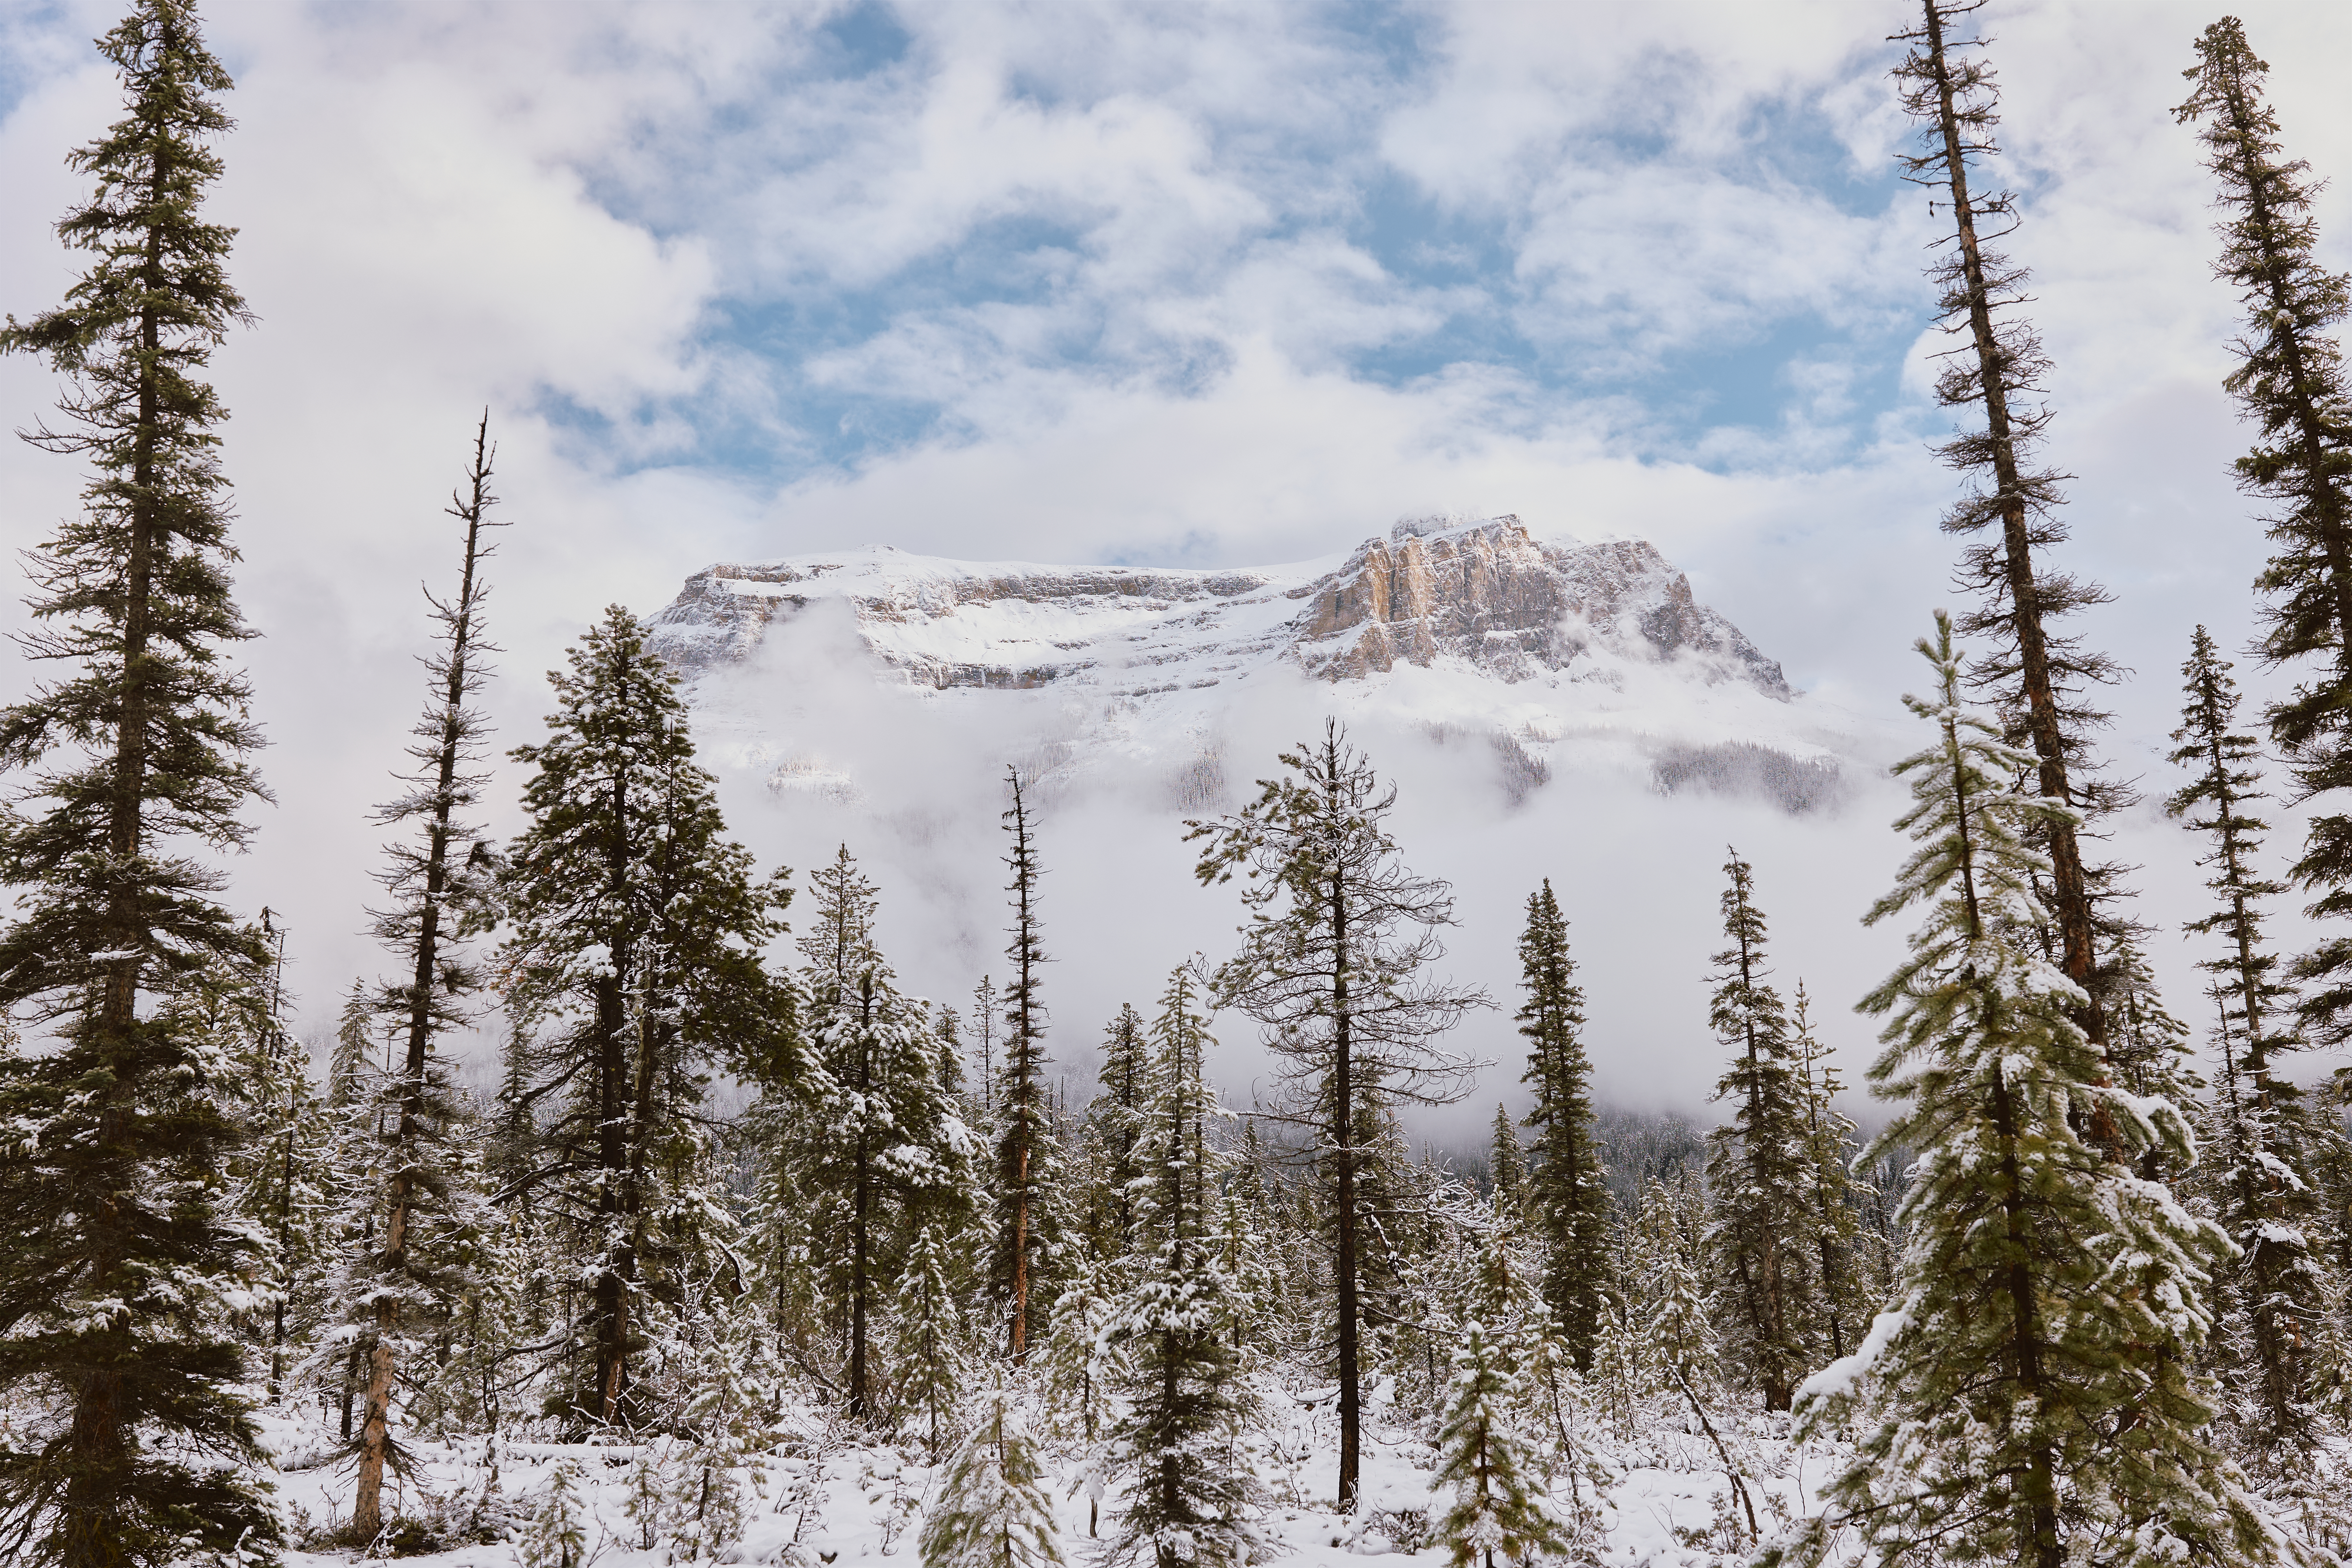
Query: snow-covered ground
[1660, 1500]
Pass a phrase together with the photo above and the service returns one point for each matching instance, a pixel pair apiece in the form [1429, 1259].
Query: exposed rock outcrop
[1489, 594]
[1492, 594]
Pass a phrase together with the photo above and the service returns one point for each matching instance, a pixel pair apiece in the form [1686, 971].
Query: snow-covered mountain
[1582, 655]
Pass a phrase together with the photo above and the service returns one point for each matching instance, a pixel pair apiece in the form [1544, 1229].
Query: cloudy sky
[1114, 280]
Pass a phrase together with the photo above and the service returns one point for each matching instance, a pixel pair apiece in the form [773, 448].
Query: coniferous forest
[743, 1253]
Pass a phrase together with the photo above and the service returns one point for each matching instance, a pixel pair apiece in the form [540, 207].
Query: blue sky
[1130, 280]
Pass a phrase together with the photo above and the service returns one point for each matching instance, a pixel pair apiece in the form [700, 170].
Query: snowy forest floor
[1659, 1500]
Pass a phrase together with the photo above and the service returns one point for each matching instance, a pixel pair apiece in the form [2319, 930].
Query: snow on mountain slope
[1576, 656]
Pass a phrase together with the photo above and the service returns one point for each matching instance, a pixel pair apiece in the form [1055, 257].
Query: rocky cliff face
[1492, 595]
[1488, 596]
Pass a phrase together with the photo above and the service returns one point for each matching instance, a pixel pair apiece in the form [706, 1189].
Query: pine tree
[2036, 1398]
[1021, 1150]
[1080, 1367]
[1505, 1298]
[1756, 1165]
[993, 1512]
[354, 1113]
[411, 1275]
[137, 1446]
[1484, 1455]
[635, 955]
[1570, 1187]
[2036, 675]
[2290, 382]
[1186, 1492]
[878, 1152]
[2266, 1195]
[1332, 975]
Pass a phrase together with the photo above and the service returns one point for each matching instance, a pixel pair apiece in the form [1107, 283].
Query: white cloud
[1104, 277]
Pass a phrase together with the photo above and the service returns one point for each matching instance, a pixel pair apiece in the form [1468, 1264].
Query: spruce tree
[1570, 1187]
[1021, 1150]
[2290, 383]
[929, 1338]
[1835, 1217]
[2035, 1398]
[2035, 674]
[1117, 1115]
[1330, 967]
[635, 959]
[878, 1151]
[1186, 1492]
[1666, 1292]
[2267, 1195]
[1757, 1165]
[411, 1275]
[1506, 1163]
[135, 1445]
[2147, 1047]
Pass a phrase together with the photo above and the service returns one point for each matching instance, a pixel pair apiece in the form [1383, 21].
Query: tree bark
[2072, 892]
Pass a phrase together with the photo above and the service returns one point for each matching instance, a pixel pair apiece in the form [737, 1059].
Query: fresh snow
[1661, 1500]
[1152, 665]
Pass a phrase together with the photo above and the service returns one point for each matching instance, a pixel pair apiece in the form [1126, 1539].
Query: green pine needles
[137, 1447]
[992, 1511]
[1757, 1165]
[1485, 1456]
[1568, 1187]
[634, 964]
[2290, 383]
[2036, 1400]
[1188, 1489]
[2261, 1177]
[2037, 674]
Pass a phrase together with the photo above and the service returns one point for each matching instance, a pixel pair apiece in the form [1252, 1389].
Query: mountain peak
[1485, 593]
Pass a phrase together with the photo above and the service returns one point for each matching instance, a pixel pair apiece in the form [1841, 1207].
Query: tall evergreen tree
[634, 957]
[878, 1150]
[1117, 1115]
[1757, 1165]
[1187, 1493]
[411, 1275]
[1506, 1163]
[137, 1446]
[931, 1338]
[1570, 1187]
[2268, 1197]
[2290, 382]
[1022, 1138]
[2035, 674]
[1835, 1217]
[1330, 967]
[2036, 1401]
